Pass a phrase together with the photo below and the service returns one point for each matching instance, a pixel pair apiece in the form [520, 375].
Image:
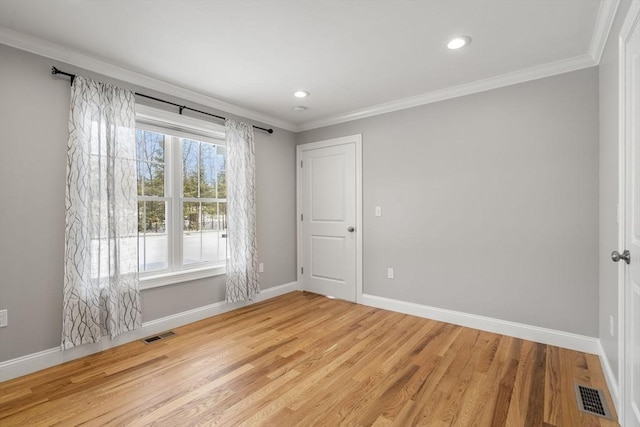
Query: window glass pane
[221, 155]
[222, 235]
[150, 146]
[209, 232]
[209, 216]
[222, 216]
[222, 185]
[153, 176]
[191, 237]
[141, 248]
[140, 173]
[140, 217]
[151, 156]
[153, 242]
[139, 144]
[155, 217]
[190, 151]
[207, 170]
[191, 212]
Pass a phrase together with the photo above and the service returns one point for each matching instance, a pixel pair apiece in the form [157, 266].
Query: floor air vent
[158, 337]
[592, 401]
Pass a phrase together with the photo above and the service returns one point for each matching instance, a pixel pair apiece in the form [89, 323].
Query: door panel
[327, 187]
[327, 255]
[632, 228]
[328, 210]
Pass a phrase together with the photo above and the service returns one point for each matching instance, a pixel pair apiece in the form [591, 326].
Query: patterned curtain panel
[101, 295]
[242, 262]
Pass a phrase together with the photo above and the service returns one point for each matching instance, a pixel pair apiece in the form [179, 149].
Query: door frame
[631, 21]
[351, 139]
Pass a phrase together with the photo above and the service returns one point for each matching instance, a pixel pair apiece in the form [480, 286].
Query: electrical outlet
[390, 273]
[611, 325]
[378, 211]
[4, 318]
[261, 267]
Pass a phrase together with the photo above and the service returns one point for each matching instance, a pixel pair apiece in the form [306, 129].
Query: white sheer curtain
[101, 295]
[242, 262]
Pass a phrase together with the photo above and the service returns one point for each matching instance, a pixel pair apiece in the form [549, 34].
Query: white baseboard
[610, 377]
[44, 359]
[489, 324]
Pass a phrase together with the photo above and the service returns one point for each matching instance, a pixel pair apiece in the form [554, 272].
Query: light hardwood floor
[306, 360]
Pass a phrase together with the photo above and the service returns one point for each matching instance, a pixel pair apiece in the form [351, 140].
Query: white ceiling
[355, 57]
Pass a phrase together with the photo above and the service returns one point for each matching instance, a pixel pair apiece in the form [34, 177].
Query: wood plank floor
[306, 360]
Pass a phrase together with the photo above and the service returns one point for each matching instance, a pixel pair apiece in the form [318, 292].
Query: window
[182, 202]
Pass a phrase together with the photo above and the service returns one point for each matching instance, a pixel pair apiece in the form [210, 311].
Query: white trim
[604, 22]
[59, 53]
[621, 222]
[150, 280]
[63, 54]
[610, 377]
[357, 139]
[172, 120]
[44, 359]
[630, 21]
[359, 222]
[528, 74]
[299, 266]
[518, 330]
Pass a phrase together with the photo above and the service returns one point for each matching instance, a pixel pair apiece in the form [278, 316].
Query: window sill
[174, 277]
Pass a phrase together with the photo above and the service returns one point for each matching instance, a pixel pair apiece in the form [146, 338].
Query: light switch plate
[378, 211]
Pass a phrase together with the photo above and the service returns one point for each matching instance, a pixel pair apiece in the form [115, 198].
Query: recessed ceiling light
[299, 108]
[301, 94]
[458, 42]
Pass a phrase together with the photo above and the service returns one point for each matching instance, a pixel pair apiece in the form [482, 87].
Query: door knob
[616, 256]
[351, 229]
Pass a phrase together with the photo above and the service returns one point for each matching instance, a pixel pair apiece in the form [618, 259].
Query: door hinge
[301, 270]
[301, 217]
[301, 162]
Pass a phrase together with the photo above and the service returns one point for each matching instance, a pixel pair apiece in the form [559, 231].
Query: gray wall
[609, 189]
[34, 108]
[489, 202]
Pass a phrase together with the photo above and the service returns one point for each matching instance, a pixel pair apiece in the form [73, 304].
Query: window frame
[177, 126]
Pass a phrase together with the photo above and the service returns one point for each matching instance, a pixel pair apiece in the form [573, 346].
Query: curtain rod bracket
[54, 70]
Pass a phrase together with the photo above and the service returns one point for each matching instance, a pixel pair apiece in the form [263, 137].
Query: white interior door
[329, 226]
[631, 233]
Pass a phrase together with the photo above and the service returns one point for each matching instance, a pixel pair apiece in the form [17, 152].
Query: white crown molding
[55, 356]
[513, 329]
[59, 53]
[525, 75]
[604, 22]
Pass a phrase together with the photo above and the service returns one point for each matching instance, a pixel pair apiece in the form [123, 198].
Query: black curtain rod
[181, 108]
